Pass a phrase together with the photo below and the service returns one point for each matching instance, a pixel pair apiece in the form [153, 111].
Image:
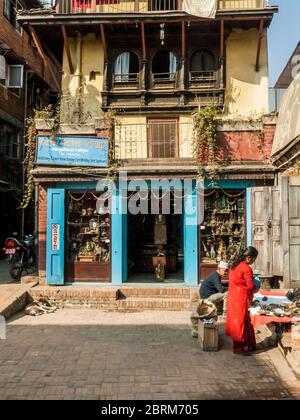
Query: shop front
[101, 237]
[226, 226]
[97, 237]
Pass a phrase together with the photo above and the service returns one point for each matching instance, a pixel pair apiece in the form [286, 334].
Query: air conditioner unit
[2, 68]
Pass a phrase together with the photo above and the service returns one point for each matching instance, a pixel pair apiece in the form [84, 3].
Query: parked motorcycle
[20, 255]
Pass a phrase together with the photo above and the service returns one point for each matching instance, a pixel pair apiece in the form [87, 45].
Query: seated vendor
[212, 288]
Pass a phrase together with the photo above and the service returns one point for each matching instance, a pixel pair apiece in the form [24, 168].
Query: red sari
[240, 295]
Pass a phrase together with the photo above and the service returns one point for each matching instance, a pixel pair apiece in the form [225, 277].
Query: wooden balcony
[142, 6]
[164, 90]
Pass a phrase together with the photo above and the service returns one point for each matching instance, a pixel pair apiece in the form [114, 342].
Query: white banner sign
[55, 237]
[201, 8]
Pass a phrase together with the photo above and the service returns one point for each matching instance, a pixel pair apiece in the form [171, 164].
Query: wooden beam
[260, 37]
[67, 46]
[103, 39]
[52, 56]
[143, 41]
[43, 56]
[183, 39]
[222, 40]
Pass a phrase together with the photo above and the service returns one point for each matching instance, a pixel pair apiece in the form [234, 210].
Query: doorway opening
[152, 238]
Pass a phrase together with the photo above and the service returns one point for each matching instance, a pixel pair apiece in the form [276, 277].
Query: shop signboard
[55, 237]
[72, 151]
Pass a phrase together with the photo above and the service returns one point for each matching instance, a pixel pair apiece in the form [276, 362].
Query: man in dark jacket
[212, 289]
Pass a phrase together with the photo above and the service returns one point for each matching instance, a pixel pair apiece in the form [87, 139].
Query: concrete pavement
[93, 354]
[4, 274]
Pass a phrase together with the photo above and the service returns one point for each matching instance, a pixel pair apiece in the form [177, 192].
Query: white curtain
[122, 67]
[172, 65]
[201, 8]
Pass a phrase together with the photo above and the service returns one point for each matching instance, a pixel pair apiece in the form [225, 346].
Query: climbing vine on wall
[52, 115]
[205, 121]
[30, 147]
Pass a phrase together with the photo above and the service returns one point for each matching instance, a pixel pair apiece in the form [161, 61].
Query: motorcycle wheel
[16, 269]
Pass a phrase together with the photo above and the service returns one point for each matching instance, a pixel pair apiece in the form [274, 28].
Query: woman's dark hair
[248, 252]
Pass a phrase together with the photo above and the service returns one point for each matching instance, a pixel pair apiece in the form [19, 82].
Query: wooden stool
[208, 335]
[266, 282]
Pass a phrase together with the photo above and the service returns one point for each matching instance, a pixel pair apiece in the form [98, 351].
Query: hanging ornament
[162, 33]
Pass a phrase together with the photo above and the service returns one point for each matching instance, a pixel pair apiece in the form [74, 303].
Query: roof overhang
[35, 18]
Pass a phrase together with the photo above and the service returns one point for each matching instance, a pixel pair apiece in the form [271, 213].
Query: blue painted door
[55, 236]
[119, 238]
[190, 237]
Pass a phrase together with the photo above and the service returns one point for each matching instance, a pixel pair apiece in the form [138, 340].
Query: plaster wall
[246, 89]
[131, 137]
[89, 74]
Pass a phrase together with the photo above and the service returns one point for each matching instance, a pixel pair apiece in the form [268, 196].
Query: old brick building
[153, 63]
[25, 85]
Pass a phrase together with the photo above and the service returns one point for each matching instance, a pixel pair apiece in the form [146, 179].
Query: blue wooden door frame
[119, 230]
[55, 238]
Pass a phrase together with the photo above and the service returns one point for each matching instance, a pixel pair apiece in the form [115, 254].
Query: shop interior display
[223, 229]
[88, 231]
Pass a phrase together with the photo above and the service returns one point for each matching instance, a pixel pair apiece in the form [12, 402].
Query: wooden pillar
[67, 47]
[144, 64]
[105, 73]
[222, 40]
[183, 62]
[260, 37]
[222, 52]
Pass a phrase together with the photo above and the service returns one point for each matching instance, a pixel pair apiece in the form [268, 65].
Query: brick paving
[93, 354]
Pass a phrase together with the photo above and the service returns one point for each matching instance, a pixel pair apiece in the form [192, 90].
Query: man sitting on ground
[212, 289]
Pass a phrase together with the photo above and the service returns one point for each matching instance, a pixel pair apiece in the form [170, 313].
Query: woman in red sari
[240, 295]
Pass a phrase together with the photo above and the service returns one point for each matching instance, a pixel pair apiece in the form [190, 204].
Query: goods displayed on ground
[277, 305]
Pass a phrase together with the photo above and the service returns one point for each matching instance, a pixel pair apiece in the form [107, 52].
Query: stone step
[114, 298]
[110, 292]
[150, 303]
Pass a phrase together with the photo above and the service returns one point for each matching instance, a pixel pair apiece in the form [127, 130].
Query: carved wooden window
[164, 69]
[126, 69]
[203, 69]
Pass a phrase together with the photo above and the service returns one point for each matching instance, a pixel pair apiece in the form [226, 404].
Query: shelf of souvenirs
[224, 211]
[106, 225]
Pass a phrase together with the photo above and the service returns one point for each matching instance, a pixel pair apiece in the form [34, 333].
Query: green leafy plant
[29, 162]
[205, 147]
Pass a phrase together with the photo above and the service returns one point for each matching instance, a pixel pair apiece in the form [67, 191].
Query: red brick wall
[42, 227]
[246, 145]
[11, 103]
[20, 44]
